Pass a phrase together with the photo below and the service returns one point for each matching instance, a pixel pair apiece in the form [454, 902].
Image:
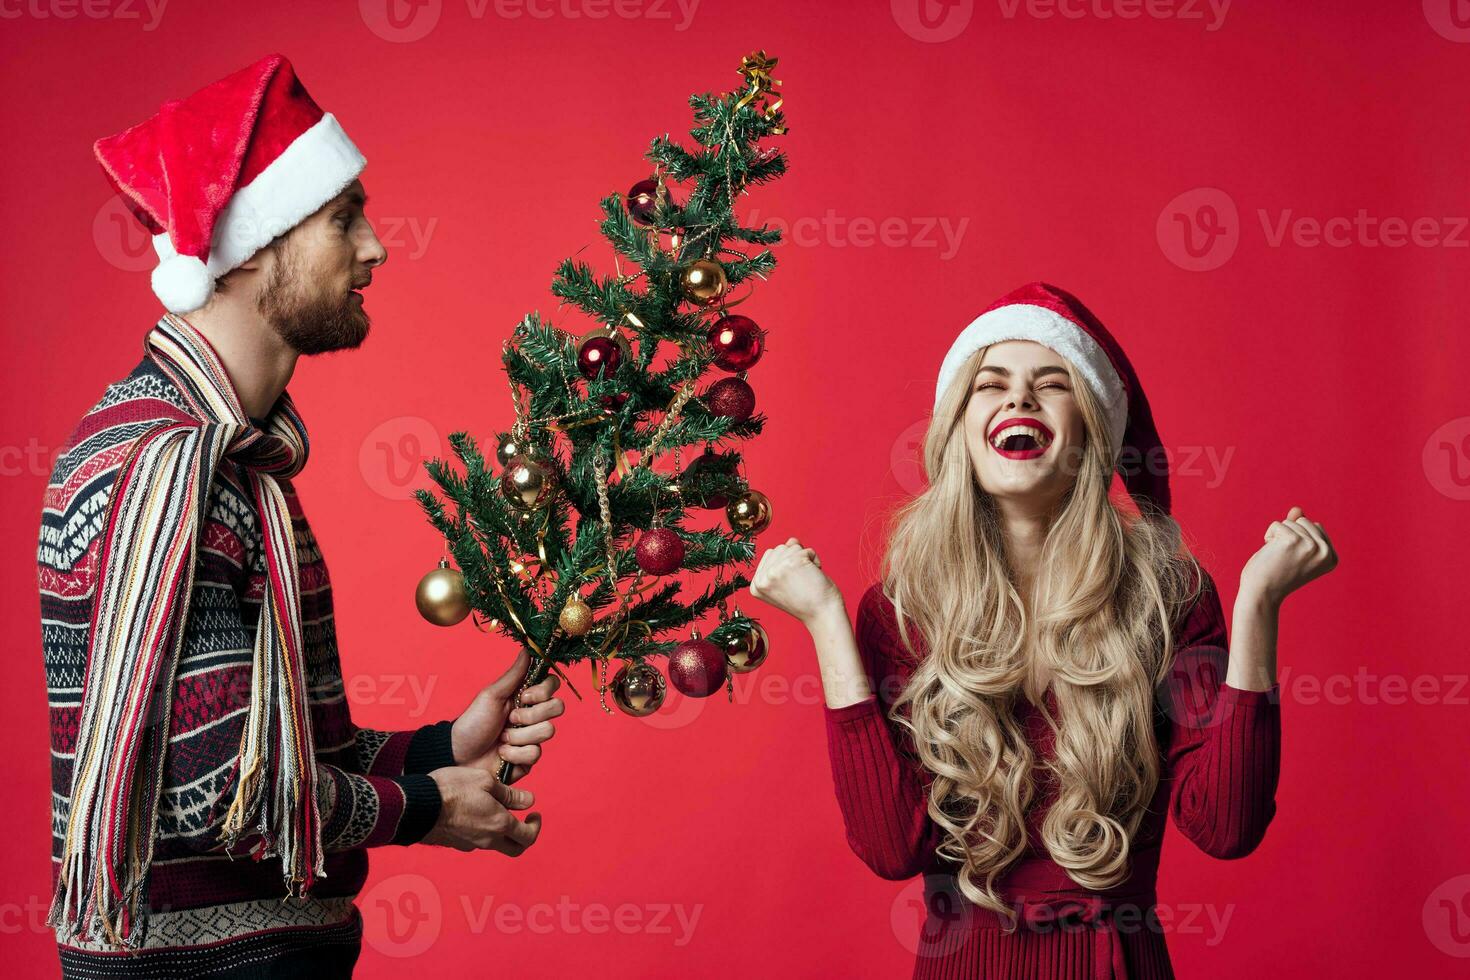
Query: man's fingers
[525, 755]
[540, 712]
[529, 734]
[542, 691]
[511, 797]
[523, 833]
[507, 683]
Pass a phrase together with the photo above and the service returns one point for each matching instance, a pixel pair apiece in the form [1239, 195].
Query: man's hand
[480, 738]
[474, 813]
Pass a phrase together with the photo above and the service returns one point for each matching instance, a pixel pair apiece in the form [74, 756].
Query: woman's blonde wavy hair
[1109, 587]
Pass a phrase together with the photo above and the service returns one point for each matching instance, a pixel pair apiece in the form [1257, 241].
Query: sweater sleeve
[369, 811]
[1224, 753]
[881, 791]
[357, 809]
[420, 750]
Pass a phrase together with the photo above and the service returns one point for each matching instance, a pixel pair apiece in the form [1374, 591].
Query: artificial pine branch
[520, 569]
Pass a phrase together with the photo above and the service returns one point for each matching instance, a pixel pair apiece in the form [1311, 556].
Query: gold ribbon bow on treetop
[756, 67]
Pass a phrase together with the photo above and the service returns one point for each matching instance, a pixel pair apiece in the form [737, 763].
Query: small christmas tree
[545, 545]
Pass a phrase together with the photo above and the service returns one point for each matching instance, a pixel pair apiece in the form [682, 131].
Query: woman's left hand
[1296, 551]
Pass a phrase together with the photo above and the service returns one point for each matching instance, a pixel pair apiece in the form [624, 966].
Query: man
[213, 801]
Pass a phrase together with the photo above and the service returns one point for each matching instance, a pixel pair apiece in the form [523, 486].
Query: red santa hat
[218, 175]
[1056, 319]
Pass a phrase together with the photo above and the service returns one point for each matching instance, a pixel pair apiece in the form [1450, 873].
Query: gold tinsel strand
[670, 417]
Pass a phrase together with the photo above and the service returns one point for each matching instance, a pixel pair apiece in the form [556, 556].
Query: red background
[1322, 375]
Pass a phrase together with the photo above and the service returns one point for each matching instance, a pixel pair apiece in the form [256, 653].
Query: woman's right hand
[790, 577]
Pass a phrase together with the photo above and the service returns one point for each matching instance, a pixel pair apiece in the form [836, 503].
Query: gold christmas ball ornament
[576, 617]
[638, 689]
[749, 512]
[703, 282]
[441, 596]
[746, 649]
[528, 483]
[507, 447]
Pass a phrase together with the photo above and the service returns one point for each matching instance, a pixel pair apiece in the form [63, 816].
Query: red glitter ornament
[660, 551]
[731, 397]
[697, 667]
[737, 342]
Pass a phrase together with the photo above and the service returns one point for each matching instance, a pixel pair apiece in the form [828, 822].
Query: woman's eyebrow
[1039, 372]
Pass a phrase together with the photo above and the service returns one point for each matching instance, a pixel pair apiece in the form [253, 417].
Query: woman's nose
[1022, 400]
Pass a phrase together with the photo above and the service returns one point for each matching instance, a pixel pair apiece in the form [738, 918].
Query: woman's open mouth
[1020, 439]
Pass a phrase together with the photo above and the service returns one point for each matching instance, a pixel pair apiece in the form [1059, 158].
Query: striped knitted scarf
[157, 506]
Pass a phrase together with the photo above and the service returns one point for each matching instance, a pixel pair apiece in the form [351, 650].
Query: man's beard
[312, 324]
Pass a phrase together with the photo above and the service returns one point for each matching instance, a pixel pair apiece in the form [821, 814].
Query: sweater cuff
[421, 804]
[1236, 695]
[432, 747]
[849, 712]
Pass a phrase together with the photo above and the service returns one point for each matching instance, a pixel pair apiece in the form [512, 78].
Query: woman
[1042, 673]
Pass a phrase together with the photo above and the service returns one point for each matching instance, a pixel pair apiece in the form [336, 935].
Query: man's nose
[370, 250]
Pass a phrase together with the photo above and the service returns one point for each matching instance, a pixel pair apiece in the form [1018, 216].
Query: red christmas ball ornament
[706, 463]
[642, 201]
[660, 551]
[614, 403]
[731, 397]
[697, 667]
[603, 349]
[737, 342]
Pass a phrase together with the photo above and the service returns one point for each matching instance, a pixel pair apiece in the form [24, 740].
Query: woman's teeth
[1020, 438]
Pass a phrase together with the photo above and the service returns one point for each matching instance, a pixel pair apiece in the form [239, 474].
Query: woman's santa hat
[218, 175]
[1057, 320]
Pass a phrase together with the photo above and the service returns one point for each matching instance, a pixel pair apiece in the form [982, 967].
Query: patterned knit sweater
[211, 912]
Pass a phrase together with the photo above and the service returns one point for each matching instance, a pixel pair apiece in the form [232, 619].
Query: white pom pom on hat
[182, 283]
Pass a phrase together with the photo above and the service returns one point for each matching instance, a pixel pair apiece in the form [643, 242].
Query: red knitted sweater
[1220, 751]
